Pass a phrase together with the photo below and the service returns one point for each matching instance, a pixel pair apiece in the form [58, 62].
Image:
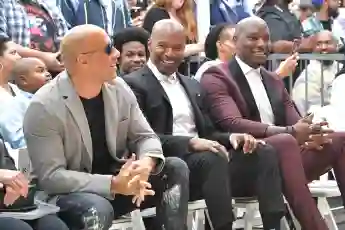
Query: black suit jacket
[156, 107]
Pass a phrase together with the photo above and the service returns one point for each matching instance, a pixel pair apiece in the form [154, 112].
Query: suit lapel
[274, 98]
[192, 98]
[245, 90]
[111, 114]
[153, 83]
[73, 103]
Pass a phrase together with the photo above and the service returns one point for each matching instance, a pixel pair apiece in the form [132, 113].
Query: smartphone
[295, 46]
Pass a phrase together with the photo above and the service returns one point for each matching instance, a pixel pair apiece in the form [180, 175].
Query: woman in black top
[181, 11]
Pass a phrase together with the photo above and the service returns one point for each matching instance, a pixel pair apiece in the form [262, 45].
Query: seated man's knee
[176, 167]
[268, 155]
[52, 222]
[210, 160]
[86, 211]
[283, 138]
[338, 139]
[283, 141]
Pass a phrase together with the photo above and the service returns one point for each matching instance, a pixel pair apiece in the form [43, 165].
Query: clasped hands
[312, 135]
[15, 183]
[236, 140]
[132, 179]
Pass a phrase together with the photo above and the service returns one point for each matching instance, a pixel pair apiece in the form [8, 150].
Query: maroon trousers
[299, 167]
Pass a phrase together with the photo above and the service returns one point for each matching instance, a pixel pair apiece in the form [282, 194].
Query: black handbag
[22, 204]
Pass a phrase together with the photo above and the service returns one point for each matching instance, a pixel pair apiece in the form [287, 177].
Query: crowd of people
[100, 95]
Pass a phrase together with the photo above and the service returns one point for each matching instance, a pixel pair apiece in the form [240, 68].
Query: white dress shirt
[183, 117]
[257, 87]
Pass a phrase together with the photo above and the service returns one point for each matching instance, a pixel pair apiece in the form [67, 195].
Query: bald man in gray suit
[80, 130]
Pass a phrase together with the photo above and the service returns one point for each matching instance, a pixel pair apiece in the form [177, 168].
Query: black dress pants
[257, 174]
[209, 179]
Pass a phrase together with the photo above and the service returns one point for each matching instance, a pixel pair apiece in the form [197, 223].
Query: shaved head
[167, 45]
[166, 26]
[246, 24]
[252, 40]
[80, 39]
[87, 53]
[326, 33]
[24, 65]
[30, 74]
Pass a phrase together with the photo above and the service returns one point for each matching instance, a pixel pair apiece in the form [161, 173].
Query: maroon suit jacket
[232, 105]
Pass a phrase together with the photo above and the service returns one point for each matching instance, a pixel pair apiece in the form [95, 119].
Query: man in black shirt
[94, 110]
[81, 130]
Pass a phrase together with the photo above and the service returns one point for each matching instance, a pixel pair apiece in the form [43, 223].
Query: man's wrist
[290, 130]
[113, 185]
[152, 162]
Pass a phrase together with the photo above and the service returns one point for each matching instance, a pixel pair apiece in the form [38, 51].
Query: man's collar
[244, 67]
[161, 77]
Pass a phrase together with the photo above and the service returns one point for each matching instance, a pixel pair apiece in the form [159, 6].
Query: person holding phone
[245, 97]
[14, 186]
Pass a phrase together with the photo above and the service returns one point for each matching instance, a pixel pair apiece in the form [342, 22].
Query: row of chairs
[247, 208]
[321, 189]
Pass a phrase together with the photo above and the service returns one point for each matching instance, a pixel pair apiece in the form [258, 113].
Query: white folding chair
[250, 208]
[323, 189]
[196, 217]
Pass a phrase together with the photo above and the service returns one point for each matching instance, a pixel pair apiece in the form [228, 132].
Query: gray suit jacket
[59, 141]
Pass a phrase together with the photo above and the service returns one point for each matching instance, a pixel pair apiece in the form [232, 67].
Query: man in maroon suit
[245, 98]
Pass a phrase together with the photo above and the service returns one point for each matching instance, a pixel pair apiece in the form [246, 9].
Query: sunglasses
[108, 49]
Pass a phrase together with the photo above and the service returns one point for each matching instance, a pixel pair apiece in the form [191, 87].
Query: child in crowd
[30, 74]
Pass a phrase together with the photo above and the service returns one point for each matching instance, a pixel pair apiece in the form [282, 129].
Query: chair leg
[190, 220]
[249, 217]
[199, 218]
[137, 220]
[293, 217]
[209, 219]
[284, 224]
[327, 213]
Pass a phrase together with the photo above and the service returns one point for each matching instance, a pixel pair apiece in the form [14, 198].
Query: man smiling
[245, 97]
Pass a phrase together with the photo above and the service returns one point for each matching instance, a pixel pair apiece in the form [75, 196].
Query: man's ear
[22, 79]
[82, 59]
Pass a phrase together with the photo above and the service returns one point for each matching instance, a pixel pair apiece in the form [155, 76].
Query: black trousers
[258, 175]
[209, 179]
[91, 211]
[214, 179]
